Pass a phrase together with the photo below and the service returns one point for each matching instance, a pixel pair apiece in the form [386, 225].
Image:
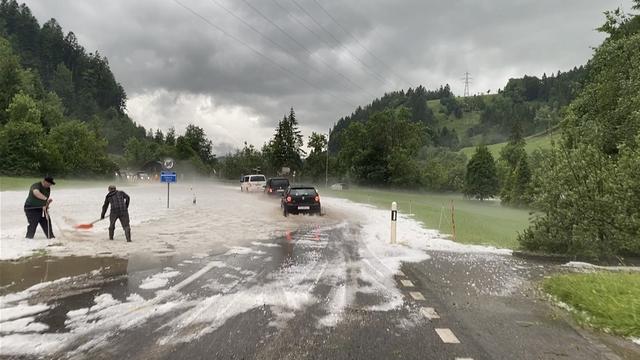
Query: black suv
[276, 186]
[299, 199]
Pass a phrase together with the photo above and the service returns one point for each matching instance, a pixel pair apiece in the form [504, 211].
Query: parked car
[251, 183]
[276, 186]
[141, 175]
[339, 186]
[242, 179]
[299, 199]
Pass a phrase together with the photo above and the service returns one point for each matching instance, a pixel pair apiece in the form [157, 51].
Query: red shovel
[87, 226]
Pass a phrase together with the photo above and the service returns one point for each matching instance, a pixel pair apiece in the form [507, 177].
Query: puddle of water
[20, 275]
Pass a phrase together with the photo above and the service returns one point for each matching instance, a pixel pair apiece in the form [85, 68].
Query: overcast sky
[235, 67]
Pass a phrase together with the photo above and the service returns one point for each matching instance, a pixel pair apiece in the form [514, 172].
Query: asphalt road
[310, 295]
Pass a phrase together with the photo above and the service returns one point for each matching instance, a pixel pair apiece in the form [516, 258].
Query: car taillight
[317, 198]
[289, 199]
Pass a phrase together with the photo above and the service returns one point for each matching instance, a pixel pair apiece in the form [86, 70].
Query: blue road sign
[168, 177]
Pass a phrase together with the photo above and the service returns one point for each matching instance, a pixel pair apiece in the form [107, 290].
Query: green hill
[534, 142]
[461, 125]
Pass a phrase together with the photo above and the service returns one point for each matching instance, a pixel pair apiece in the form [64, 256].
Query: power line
[301, 23]
[361, 45]
[273, 62]
[371, 71]
[354, 58]
[345, 77]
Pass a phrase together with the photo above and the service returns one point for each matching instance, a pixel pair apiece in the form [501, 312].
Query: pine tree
[170, 139]
[285, 149]
[481, 180]
[315, 162]
[159, 137]
[515, 173]
[522, 183]
[295, 139]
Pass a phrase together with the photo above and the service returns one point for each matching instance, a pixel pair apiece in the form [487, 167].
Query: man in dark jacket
[119, 201]
[36, 207]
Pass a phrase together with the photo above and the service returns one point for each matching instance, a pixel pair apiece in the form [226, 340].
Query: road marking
[429, 313]
[416, 295]
[400, 273]
[406, 283]
[447, 336]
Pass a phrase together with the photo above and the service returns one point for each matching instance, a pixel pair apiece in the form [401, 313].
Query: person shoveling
[36, 208]
[119, 201]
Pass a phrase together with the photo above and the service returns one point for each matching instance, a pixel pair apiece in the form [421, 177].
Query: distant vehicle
[126, 175]
[339, 186]
[276, 186]
[299, 199]
[251, 183]
[141, 175]
[122, 175]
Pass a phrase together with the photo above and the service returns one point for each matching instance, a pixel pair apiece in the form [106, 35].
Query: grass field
[482, 223]
[468, 120]
[604, 301]
[532, 143]
[22, 183]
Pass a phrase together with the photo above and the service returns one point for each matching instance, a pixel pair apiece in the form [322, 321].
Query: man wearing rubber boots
[36, 208]
[119, 201]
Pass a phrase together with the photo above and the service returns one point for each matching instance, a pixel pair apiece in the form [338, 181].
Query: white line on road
[429, 313]
[447, 336]
[416, 295]
[406, 283]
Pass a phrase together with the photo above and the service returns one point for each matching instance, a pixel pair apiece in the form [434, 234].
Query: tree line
[586, 189]
[62, 112]
[283, 154]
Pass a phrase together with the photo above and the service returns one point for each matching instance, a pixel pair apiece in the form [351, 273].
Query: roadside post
[168, 177]
[453, 220]
[394, 219]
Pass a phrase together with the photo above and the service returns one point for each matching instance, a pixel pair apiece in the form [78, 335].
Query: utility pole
[467, 80]
[326, 166]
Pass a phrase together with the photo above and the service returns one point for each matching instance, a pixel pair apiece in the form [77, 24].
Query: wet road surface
[316, 293]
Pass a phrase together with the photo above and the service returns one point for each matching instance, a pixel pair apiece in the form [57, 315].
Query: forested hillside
[534, 103]
[587, 189]
[82, 81]
[437, 124]
[62, 112]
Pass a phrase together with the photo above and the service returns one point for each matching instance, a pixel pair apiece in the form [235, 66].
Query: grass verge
[481, 223]
[605, 301]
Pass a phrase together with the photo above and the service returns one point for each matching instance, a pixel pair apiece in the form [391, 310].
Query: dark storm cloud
[158, 48]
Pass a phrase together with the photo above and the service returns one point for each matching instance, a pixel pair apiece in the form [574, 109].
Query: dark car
[276, 186]
[298, 199]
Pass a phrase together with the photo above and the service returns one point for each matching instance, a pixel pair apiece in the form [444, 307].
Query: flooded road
[240, 301]
[234, 279]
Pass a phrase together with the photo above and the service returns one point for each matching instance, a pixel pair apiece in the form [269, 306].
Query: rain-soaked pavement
[305, 295]
[321, 290]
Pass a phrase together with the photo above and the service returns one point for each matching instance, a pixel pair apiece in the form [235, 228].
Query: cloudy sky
[235, 67]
